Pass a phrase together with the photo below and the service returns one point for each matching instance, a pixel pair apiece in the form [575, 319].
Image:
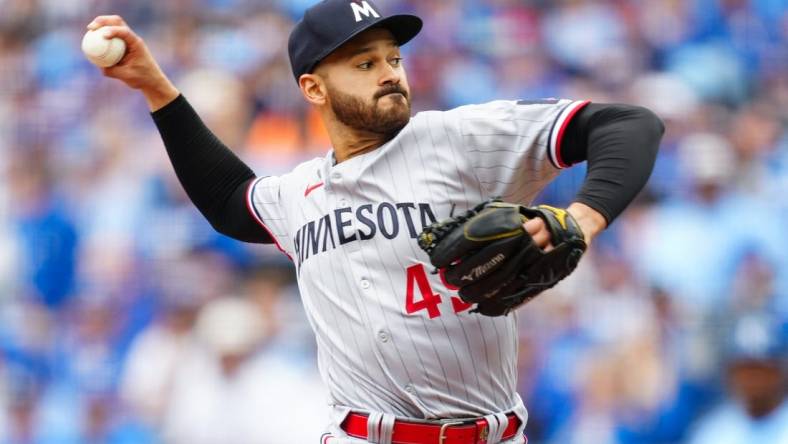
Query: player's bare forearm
[591, 221]
[160, 94]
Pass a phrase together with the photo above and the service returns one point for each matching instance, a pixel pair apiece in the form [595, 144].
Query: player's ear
[313, 88]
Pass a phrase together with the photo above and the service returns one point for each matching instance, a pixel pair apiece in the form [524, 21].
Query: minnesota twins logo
[363, 8]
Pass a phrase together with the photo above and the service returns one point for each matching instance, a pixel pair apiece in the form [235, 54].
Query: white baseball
[100, 51]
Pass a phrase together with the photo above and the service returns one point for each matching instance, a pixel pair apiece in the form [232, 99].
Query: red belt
[472, 431]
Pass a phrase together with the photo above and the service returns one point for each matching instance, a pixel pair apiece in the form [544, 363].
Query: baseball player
[406, 357]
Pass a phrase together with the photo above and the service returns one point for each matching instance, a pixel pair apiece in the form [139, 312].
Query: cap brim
[402, 26]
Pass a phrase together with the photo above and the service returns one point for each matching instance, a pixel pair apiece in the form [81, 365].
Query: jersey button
[365, 284]
[410, 389]
[343, 202]
[383, 336]
[336, 176]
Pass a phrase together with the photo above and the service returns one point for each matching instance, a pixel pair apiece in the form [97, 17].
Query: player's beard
[368, 116]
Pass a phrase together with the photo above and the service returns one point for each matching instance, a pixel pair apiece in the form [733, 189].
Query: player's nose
[390, 75]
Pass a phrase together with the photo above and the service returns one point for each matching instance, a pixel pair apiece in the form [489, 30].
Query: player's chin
[394, 103]
[392, 122]
[398, 113]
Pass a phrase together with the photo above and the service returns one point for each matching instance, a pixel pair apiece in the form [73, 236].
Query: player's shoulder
[493, 105]
[307, 167]
[471, 108]
[499, 108]
[496, 109]
[305, 172]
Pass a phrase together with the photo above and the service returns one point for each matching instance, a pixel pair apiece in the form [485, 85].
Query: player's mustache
[391, 89]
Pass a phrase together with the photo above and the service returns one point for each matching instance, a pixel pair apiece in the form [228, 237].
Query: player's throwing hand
[137, 69]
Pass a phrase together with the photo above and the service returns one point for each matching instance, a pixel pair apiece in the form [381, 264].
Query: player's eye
[365, 65]
[396, 61]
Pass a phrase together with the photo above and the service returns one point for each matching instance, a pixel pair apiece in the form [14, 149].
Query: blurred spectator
[48, 236]
[213, 373]
[21, 409]
[710, 215]
[154, 357]
[185, 284]
[590, 32]
[106, 267]
[756, 377]
[224, 390]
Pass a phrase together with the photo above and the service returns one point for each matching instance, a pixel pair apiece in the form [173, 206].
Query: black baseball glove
[487, 253]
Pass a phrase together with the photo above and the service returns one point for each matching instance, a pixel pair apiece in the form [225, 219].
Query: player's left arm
[620, 144]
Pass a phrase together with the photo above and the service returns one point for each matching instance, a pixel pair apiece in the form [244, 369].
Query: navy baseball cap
[331, 23]
[756, 337]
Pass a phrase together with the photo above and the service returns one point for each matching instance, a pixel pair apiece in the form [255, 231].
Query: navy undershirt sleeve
[214, 178]
[620, 143]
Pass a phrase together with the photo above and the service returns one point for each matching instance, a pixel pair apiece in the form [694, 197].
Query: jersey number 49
[429, 300]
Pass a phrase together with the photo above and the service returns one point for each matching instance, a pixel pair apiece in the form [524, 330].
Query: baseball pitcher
[413, 238]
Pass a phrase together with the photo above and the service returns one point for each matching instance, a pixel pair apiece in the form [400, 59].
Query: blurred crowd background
[125, 319]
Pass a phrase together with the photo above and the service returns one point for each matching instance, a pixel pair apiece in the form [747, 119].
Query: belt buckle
[444, 427]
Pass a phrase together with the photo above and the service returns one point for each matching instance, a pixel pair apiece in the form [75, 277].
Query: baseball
[100, 51]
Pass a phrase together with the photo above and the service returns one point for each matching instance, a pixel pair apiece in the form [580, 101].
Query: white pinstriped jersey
[391, 336]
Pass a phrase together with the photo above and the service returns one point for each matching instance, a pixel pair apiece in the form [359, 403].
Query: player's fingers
[114, 71]
[106, 20]
[533, 226]
[538, 231]
[123, 32]
[110, 72]
[542, 238]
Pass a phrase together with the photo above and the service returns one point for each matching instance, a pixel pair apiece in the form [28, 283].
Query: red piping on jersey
[311, 188]
[260, 221]
[558, 139]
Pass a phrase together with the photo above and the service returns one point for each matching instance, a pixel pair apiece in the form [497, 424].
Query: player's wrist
[591, 221]
[159, 94]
